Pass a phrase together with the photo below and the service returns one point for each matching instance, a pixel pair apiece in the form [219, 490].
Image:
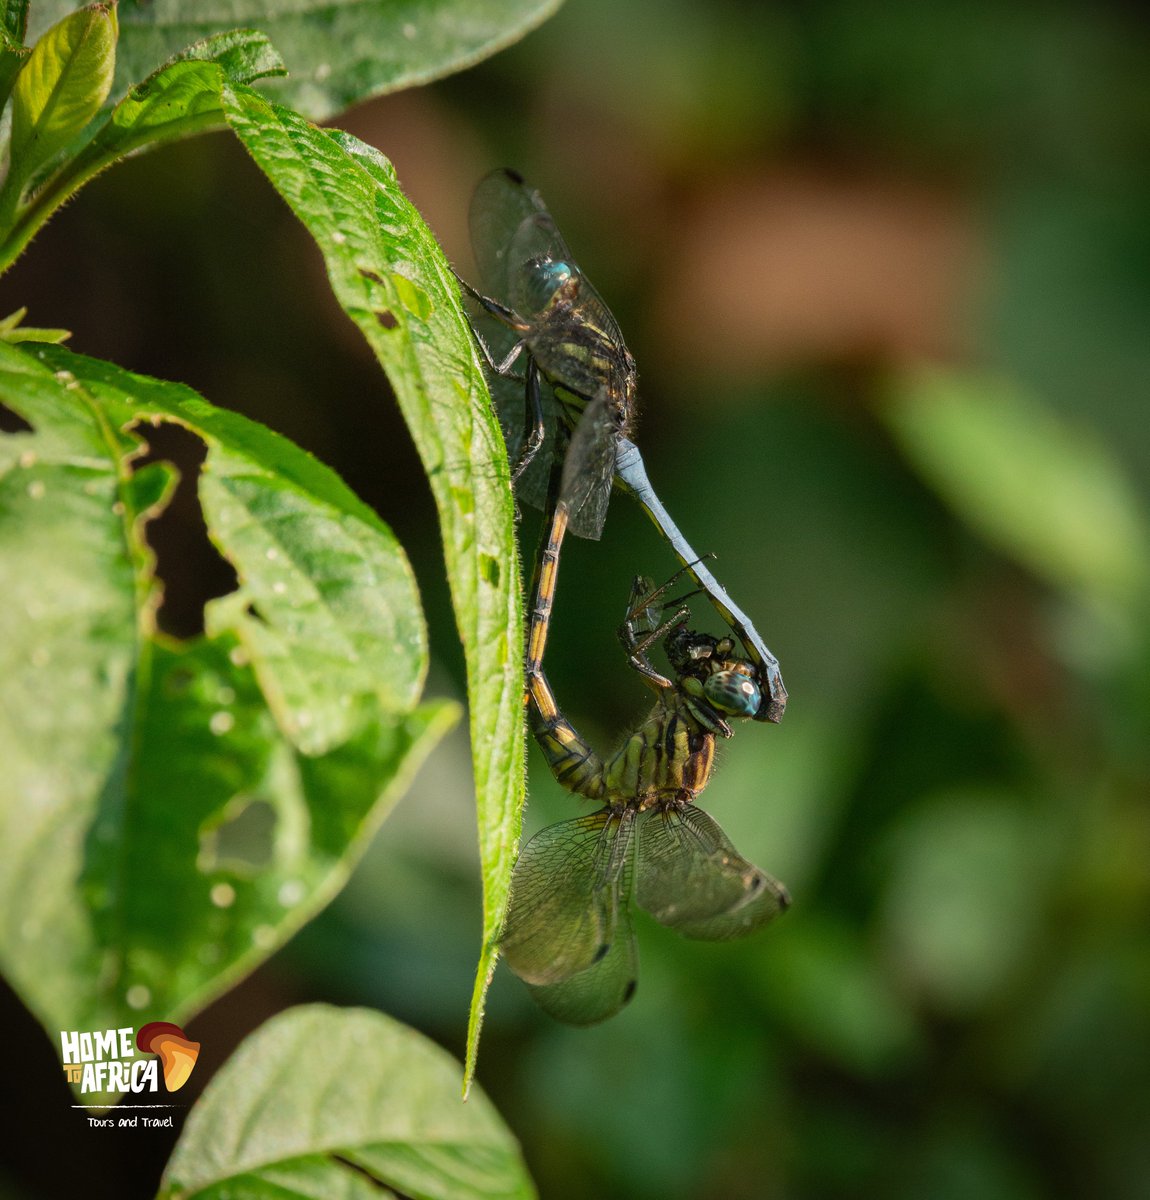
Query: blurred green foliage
[925, 469]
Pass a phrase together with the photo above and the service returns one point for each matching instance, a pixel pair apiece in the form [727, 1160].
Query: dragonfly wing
[692, 878]
[510, 226]
[601, 990]
[589, 468]
[566, 892]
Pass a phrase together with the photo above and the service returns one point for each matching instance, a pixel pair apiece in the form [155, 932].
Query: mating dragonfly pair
[568, 931]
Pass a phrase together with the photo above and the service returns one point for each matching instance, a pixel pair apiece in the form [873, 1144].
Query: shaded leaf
[13, 55]
[1045, 492]
[324, 1102]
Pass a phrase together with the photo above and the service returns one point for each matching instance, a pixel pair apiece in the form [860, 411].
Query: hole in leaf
[256, 615]
[191, 570]
[387, 319]
[241, 841]
[489, 569]
[13, 422]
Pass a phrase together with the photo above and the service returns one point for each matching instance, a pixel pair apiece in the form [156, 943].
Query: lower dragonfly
[568, 930]
[558, 323]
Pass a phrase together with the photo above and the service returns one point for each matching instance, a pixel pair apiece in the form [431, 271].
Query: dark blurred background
[792, 209]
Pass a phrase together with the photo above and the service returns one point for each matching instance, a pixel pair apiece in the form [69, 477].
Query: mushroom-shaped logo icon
[177, 1054]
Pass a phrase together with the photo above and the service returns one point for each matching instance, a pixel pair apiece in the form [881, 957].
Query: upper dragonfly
[559, 324]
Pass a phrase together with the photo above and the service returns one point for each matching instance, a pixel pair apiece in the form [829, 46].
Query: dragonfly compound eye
[541, 281]
[733, 692]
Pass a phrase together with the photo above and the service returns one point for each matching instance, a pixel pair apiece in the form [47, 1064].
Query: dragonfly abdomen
[574, 764]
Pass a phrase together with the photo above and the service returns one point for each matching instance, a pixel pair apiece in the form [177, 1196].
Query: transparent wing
[601, 990]
[510, 226]
[511, 234]
[692, 878]
[566, 893]
[589, 468]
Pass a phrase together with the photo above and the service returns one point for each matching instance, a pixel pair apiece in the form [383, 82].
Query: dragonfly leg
[642, 627]
[534, 430]
[503, 314]
[503, 366]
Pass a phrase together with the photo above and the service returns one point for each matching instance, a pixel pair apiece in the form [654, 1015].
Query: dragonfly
[568, 931]
[558, 324]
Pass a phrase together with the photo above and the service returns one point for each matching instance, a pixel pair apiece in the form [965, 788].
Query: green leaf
[61, 87]
[966, 874]
[13, 55]
[180, 99]
[1047, 493]
[324, 1102]
[183, 97]
[337, 54]
[11, 330]
[391, 278]
[171, 813]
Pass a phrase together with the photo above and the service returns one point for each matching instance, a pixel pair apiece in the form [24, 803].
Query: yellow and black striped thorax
[669, 756]
[581, 353]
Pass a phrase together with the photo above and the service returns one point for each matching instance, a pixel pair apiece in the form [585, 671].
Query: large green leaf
[391, 278]
[338, 51]
[324, 1102]
[171, 813]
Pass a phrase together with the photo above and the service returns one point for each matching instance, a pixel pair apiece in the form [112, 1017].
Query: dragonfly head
[708, 670]
[545, 280]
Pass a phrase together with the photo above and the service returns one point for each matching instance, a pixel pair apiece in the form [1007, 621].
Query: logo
[109, 1060]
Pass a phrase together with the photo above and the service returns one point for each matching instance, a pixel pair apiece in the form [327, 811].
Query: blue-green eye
[733, 692]
[542, 281]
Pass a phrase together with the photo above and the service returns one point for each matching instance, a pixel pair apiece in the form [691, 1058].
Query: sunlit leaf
[181, 98]
[13, 330]
[171, 813]
[61, 87]
[337, 53]
[391, 278]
